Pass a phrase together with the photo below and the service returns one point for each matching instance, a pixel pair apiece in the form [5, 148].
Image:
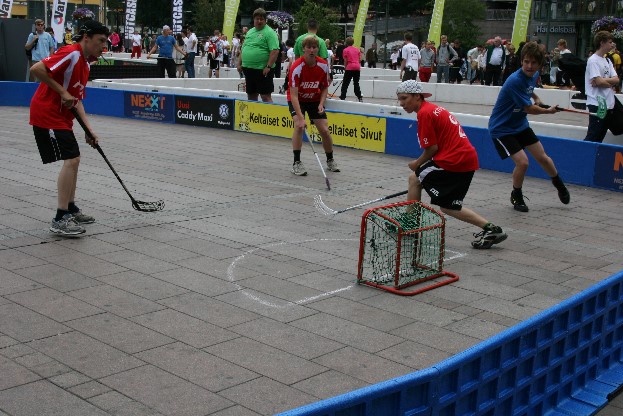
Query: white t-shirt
[329, 57]
[411, 55]
[136, 40]
[225, 44]
[598, 66]
[189, 43]
[394, 57]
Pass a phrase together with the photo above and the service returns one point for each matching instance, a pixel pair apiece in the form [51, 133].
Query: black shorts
[56, 145]
[214, 64]
[513, 143]
[310, 108]
[446, 189]
[257, 83]
[409, 74]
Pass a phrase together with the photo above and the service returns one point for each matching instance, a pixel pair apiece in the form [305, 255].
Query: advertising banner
[522, 19]
[229, 18]
[205, 112]
[348, 130]
[149, 106]
[130, 18]
[609, 168]
[5, 9]
[178, 15]
[360, 22]
[59, 10]
[434, 33]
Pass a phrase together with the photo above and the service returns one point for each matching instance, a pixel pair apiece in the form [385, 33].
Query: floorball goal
[403, 245]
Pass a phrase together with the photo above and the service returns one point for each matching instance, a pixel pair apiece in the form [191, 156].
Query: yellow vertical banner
[522, 18]
[360, 22]
[434, 33]
[229, 18]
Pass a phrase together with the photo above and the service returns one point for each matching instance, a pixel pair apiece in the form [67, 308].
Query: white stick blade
[322, 207]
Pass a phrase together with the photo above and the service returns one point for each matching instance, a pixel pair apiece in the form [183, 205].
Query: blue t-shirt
[42, 49]
[508, 116]
[165, 46]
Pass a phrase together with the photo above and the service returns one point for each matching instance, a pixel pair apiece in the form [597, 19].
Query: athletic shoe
[332, 165]
[487, 238]
[360, 99]
[563, 194]
[82, 218]
[518, 202]
[66, 226]
[298, 169]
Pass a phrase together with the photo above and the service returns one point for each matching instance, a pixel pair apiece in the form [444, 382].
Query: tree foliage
[458, 21]
[315, 10]
[208, 16]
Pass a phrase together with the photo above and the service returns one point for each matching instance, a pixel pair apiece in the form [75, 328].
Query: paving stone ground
[240, 298]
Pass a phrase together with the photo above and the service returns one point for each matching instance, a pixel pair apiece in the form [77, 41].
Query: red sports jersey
[310, 80]
[437, 126]
[69, 68]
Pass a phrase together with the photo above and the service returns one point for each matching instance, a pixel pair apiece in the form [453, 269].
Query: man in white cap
[446, 167]
[166, 42]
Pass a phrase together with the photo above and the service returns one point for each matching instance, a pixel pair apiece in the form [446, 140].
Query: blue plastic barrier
[564, 361]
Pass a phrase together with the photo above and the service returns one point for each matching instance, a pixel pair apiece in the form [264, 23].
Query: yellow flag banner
[522, 18]
[434, 33]
[229, 18]
[360, 22]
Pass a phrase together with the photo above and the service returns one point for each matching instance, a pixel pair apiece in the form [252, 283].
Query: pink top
[351, 57]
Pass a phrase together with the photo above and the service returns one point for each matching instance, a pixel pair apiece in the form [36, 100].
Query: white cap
[412, 87]
[165, 27]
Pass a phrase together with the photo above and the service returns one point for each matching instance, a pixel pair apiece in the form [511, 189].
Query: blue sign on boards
[205, 111]
[149, 106]
[609, 168]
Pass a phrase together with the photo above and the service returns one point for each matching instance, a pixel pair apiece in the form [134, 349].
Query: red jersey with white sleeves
[437, 126]
[310, 80]
[69, 68]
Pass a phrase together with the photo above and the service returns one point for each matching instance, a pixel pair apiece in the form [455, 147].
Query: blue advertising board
[609, 167]
[149, 106]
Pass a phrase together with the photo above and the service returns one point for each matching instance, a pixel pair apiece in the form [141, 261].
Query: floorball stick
[324, 209]
[309, 140]
[137, 205]
[602, 109]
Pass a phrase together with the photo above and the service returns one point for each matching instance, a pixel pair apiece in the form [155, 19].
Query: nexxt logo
[147, 101]
[618, 161]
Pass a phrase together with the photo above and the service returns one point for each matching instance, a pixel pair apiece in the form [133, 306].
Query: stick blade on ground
[322, 207]
[148, 206]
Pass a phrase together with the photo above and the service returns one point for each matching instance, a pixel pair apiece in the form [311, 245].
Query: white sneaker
[66, 226]
[298, 169]
[332, 165]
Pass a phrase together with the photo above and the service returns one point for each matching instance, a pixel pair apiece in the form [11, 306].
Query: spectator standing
[447, 164]
[614, 56]
[457, 63]
[445, 55]
[307, 92]
[512, 62]
[152, 43]
[165, 44]
[235, 49]
[137, 40]
[50, 32]
[511, 132]
[482, 65]
[494, 62]
[180, 61]
[114, 41]
[191, 42]
[394, 59]
[562, 78]
[553, 66]
[339, 49]
[352, 65]
[226, 50]
[600, 79]
[372, 56]
[40, 44]
[63, 78]
[68, 36]
[427, 61]
[410, 59]
[312, 29]
[260, 52]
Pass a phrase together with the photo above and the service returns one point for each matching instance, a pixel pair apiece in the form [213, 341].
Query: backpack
[34, 45]
[214, 49]
[575, 68]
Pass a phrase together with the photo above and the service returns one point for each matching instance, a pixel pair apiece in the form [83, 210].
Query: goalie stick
[324, 209]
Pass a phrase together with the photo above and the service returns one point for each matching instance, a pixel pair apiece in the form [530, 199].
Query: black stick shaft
[397, 194]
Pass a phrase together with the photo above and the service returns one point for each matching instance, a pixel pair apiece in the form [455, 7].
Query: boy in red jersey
[446, 167]
[64, 77]
[308, 87]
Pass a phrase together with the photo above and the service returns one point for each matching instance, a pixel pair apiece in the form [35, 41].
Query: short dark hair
[259, 13]
[312, 24]
[601, 36]
[533, 50]
[350, 41]
[408, 36]
[93, 27]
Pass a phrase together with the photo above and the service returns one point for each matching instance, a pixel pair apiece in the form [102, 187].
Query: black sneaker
[518, 202]
[487, 238]
[564, 195]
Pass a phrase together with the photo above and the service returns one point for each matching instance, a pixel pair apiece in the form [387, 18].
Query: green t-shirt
[322, 49]
[257, 46]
